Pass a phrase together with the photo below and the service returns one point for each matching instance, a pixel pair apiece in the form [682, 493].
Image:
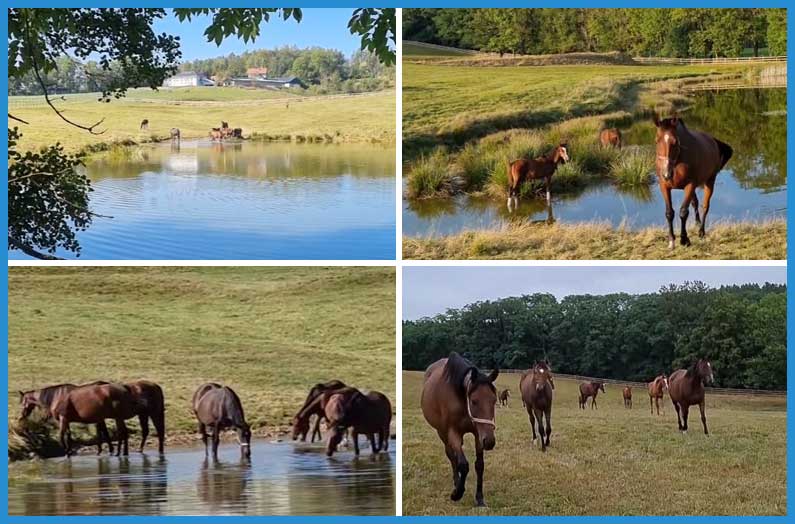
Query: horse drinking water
[218, 407]
[536, 386]
[657, 389]
[686, 388]
[302, 419]
[524, 169]
[590, 389]
[457, 398]
[367, 413]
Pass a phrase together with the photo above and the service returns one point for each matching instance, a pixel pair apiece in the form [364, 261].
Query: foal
[590, 389]
[537, 168]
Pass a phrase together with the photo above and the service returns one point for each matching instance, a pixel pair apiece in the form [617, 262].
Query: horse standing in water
[657, 389]
[687, 159]
[218, 407]
[504, 396]
[686, 388]
[457, 398]
[536, 386]
[149, 404]
[524, 169]
[302, 418]
[627, 392]
[590, 389]
[367, 413]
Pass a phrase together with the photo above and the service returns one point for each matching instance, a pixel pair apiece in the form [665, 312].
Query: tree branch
[12, 117]
[30, 251]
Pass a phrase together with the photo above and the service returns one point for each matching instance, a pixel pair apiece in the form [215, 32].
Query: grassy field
[269, 333]
[368, 117]
[588, 241]
[610, 461]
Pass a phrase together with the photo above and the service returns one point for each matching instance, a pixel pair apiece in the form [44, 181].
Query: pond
[280, 479]
[249, 200]
[752, 187]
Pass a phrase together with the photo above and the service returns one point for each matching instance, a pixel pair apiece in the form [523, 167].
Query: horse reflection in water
[223, 486]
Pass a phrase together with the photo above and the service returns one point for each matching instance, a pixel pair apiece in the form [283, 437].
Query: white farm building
[188, 79]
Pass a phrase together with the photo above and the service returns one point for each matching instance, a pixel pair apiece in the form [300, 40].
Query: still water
[752, 187]
[250, 200]
[281, 479]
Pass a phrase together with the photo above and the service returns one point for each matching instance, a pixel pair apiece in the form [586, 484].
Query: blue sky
[431, 290]
[319, 27]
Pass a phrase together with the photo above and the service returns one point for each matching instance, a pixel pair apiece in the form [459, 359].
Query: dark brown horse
[92, 404]
[457, 398]
[524, 169]
[504, 395]
[218, 407]
[366, 413]
[536, 386]
[657, 389]
[150, 403]
[590, 389]
[686, 388]
[610, 137]
[687, 159]
[301, 420]
[144, 124]
[627, 392]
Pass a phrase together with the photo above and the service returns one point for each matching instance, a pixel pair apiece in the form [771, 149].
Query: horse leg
[709, 188]
[669, 213]
[479, 472]
[159, 421]
[657, 403]
[685, 412]
[678, 417]
[695, 208]
[549, 195]
[548, 416]
[63, 428]
[456, 441]
[144, 421]
[703, 417]
[216, 441]
[203, 433]
[651, 405]
[355, 436]
[451, 456]
[373, 446]
[532, 422]
[316, 430]
[684, 211]
[541, 434]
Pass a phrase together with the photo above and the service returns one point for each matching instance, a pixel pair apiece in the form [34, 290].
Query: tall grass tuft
[633, 167]
[430, 177]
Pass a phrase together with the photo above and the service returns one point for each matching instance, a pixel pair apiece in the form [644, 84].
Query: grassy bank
[610, 461]
[732, 241]
[269, 333]
[362, 118]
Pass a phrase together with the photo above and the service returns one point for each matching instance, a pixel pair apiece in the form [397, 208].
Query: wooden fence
[735, 60]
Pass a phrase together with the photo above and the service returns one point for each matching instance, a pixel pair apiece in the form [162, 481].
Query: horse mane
[47, 394]
[236, 402]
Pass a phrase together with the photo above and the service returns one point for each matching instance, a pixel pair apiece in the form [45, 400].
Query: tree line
[681, 32]
[741, 329]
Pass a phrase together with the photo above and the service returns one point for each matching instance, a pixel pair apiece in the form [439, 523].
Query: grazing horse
[504, 395]
[687, 159]
[457, 398]
[536, 386]
[367, 413]
[686, 388]
[47, 399]
[92, 404]
[218, 407]
[627, 392]
[176, 136]
[301, 419]
[537, 168]
[590, 389]
[144, 124]
[150, 404]
[610, 137]
[657, 389]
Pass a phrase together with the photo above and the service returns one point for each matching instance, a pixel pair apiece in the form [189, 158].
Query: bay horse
[149, 404]
[302, 418]
[536, 386]
[218, 407]
[610, 137]
[590, 389]
[524, 169]
[457, 398]
[627, 393]
[366, 413]
[657, 389]
[506, 393]
[686, 388]
[92, 404]
[687, 159]
[47, 398]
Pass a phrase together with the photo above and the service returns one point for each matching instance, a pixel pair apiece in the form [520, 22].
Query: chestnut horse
[457, 398]
[302, 418]
[657, 389]
[519, 171]
[218, 407]
[367, 413]
[627, 392]
[536, 386]
[590, 389]
[506, 393]
[610, 137]
[687, 159]
[686, 388]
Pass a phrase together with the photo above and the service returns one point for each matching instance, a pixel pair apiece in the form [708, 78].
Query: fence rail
[739, 59]
[718, 391]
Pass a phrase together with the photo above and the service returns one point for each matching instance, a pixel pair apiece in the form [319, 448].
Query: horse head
[244, 437]
[542, 374]
[668, 145]
[602, 386]
[300, 427]
[704, 371]
[561, 153]
[29, 401]
[481, 400]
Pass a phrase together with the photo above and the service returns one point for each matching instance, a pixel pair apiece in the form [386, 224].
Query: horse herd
[216, 408]
[686, 159]
[216, 133]
[458, 398]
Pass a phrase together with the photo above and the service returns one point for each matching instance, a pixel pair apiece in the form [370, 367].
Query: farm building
[188, 79]
[268, 83]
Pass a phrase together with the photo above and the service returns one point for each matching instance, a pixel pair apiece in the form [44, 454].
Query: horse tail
[725, 151]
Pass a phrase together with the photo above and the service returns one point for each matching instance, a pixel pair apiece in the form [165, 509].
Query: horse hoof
[456, 495]
[671, 244]
[701, 233]
[480, 504]
[685, 241]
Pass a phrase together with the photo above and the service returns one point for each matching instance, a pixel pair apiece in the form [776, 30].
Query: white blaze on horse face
[564, 153]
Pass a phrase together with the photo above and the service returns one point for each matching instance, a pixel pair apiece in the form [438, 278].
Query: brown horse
[218, 407]
[176, 135]
[687, 159]
[144, 124]
[216, 134]
[367, 413]
[627, 392]
[686, 388]
[537, 168]
[610, 137]
[590, 389]
[149, 404]
[457, 398]
[92, 404]
[302, 419]
[657, 389]
[504, 395]
[536, 386]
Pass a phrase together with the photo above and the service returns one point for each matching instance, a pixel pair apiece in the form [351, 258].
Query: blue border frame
[392, 519]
